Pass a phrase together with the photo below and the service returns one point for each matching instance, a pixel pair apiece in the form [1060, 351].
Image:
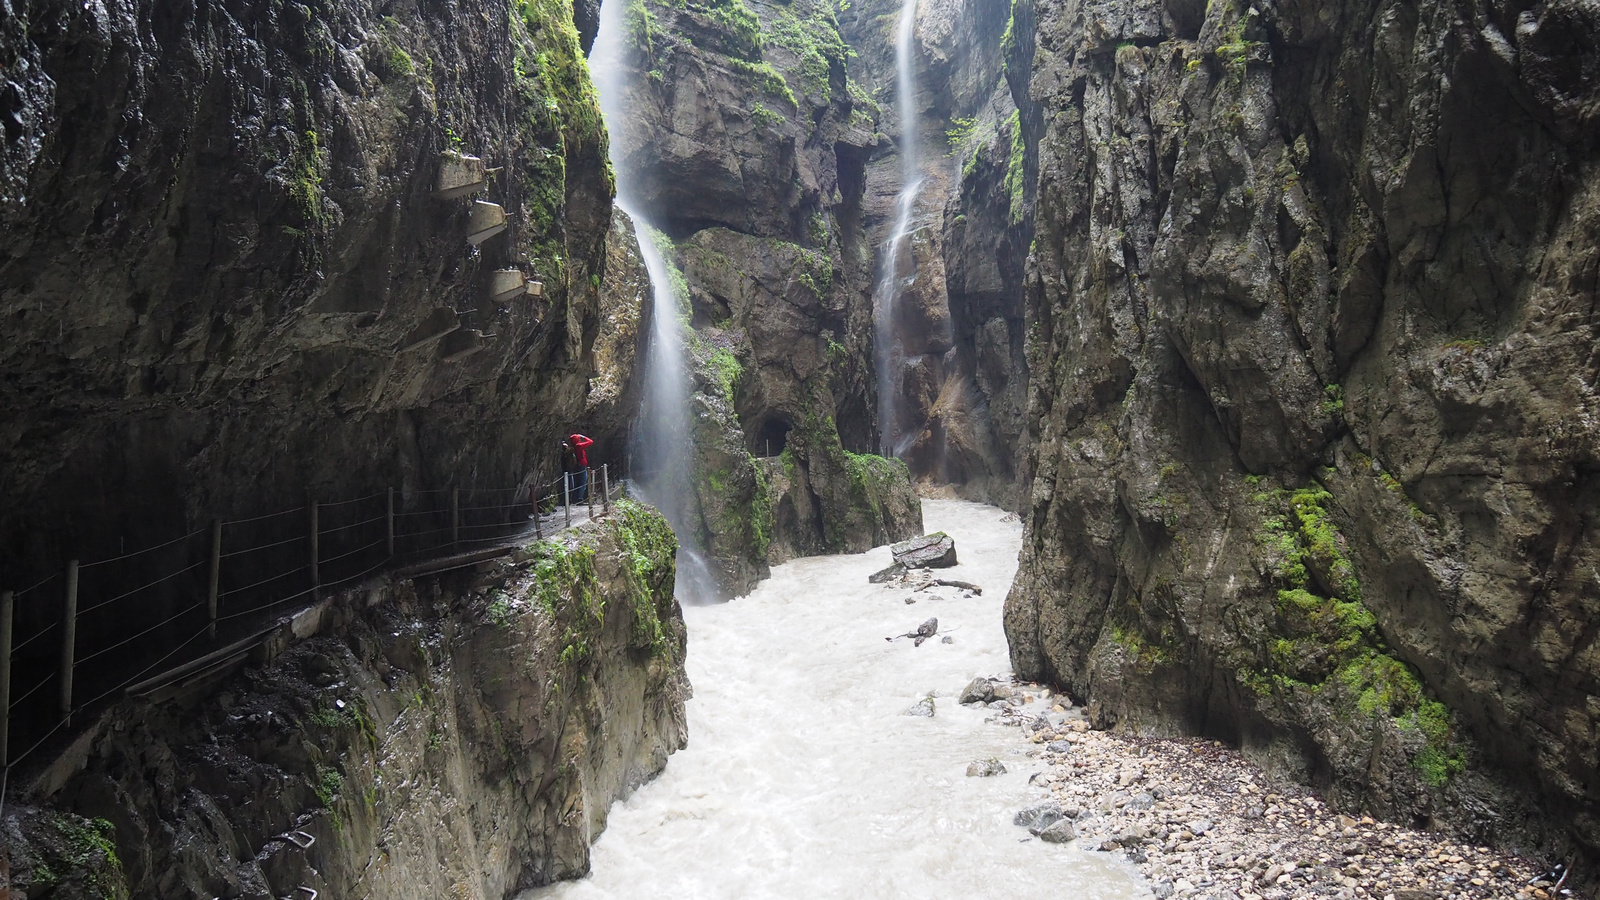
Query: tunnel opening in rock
[772, 437]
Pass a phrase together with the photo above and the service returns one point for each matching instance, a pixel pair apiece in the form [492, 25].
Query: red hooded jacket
[580, 448]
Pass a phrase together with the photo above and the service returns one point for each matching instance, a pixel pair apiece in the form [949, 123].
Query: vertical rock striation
[1311, 341]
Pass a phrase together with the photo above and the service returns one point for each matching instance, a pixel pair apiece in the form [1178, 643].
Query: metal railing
[85, 632]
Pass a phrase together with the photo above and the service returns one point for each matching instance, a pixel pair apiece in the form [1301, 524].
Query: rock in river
[931, 551]
[1059, 833]
[985, 768]
[978, 690]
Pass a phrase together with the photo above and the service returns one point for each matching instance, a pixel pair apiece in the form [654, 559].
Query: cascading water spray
[662, 439]
[887, 351]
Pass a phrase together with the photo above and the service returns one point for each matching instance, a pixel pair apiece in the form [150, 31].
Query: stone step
[485, 221]
[459, 176]
[507, 284]
[439, 323]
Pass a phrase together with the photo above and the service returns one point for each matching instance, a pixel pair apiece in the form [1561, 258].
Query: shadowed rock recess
[226, 284]
[1311, 330]
[458, 736]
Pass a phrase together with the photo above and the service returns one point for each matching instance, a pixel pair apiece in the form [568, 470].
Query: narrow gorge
[1259, 333]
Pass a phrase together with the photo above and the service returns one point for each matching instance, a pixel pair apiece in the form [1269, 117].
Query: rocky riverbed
[1199, 820]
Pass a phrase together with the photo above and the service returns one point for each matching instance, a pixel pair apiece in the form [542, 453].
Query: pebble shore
[1200, 821]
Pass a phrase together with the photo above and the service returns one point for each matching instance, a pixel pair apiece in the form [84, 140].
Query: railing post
[215, 580]
[316, 567]
[69, 638]
[588, 488]
[605, 484]
[455, 515]
[388, 524]
[566, 495]
[7, 602]
[538, 518]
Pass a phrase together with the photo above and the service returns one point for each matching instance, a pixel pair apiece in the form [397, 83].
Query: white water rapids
[804, 779]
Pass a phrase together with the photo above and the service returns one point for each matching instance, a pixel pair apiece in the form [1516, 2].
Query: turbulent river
[803, 777]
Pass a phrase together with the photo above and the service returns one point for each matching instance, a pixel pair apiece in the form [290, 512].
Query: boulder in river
[978, 690]
[985, 768]
[1059, 833]
[922, 708]
[883, 576]
[1040, 816]
[930, 551]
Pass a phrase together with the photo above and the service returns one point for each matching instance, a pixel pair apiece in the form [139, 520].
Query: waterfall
[887, 349]
[662, 442]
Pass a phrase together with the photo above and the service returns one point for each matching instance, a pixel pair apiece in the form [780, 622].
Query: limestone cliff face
[748, 142]
[226, 281]
[1312, 349]
[961, 373]
[463, 735]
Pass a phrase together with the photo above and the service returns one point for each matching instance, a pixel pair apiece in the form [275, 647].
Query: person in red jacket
[575, 452]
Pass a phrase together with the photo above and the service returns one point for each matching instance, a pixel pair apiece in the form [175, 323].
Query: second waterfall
[888, 351]
[662, 441]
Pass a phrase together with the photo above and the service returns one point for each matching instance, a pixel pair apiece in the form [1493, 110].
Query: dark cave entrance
[772, 437]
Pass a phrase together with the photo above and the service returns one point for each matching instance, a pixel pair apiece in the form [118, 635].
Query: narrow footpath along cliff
[230, 279]
[1312, 341]
[460, 735]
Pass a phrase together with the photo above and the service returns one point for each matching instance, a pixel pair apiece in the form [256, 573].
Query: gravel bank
[1199, 820]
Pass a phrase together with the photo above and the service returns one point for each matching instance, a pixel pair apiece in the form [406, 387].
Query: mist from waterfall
[887, 349]
[662, 441]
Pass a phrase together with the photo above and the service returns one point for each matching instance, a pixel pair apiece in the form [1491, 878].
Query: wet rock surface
[930, 551]
[1308, 463]
[459, 736]
[959, 369]
[747, 143]
[221, 238]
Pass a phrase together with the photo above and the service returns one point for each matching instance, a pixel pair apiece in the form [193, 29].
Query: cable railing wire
[17, 647]
[31, 691]
[268, 580]
[337, 503]
[150, 668]
[12, 761]
[177, 540]
[333, 559]
[440, 540]
[130, 639]
[129, 593]
[239, 614]
[265, 516]
[40, 583]
[290, 540]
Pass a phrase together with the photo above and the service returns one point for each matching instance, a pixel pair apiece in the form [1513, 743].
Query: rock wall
[226, 283]
[1311, 342]
[749, 141]
[960, 372]
[462, 735]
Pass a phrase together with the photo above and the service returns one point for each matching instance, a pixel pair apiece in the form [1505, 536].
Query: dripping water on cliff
[661, 440]
[887, 346]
